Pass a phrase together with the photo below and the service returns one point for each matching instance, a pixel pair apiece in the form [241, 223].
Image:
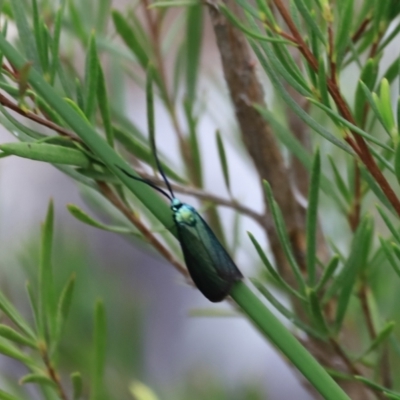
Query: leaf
[56, 42]
[317, 314]
[368, 75]
[25, 33]
[102, 101]
[50, 153]
[11, 334]
[304, 116]
[77, 385]
[389, 224]
[382, 336]
[91, 77]
[80, 215]
[343, 35]
[129, 37]
[275, 275]
[7, 396]
[328, 273]
[284, 311]
[13, 314]
[9, 350]
[389, 256]
[385, 107]
[222, 159]
[194, 35]
[140, 391]
[312, 219]
[283, 235]
[310, 20]
[63, 307]
[47, 305]
[99, 348]
[354, 264]
[39, 378]
[340, 183]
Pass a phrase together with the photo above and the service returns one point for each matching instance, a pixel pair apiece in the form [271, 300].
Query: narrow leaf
[102, 100]
[7, 396]
[11, 334]
[312, 220]
[99, 347]
[389, 224]
[222, 159]
[317, 314]
[9, 350]
[91, 77]
[275, 275]
[79, 214]
[283, 235]
[328, 273]
[40, 379]
[50, 153]
[77, 385]
[194, 35]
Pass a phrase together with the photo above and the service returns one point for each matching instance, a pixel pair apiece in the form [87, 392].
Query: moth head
[183, 213]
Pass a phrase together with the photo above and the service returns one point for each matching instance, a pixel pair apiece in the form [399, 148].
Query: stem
[279, 335]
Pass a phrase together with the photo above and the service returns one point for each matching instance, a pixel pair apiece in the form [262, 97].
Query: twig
[203, 195]
[53, 374]
[34, 117]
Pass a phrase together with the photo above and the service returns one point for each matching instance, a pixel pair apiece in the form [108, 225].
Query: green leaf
[387, 249]
[310, 20]
[382, 336]
[99, 347]
[343, 34]
[322, 78]
[91, 77]
[64, 304]
[389, 224]
[33, 303]
[47, 303]
[77, 385]
[312, 219]
[342, 121]
[140, 391]
[56, 42]
[275, 275]
[25, 33]
[9, 350]
[80, 215]
[284, 311]
[47, 152]
[196, 167]
[340, 183]
[102, 101]
[303, 115]
[368, 75]
[354, 264]
[13, 314]
[283, 235]
[11, 334]
[77, 23]
[129, 37]
[222, 159]
[39, 378]
[103, 12]
[385, 107]
[328, 273]
[194, 35]
[317, 314]
[7, 396]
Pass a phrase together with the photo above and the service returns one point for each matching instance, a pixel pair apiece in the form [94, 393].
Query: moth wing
[210, 266]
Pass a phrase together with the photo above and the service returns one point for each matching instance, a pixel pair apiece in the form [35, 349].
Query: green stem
[280, 336]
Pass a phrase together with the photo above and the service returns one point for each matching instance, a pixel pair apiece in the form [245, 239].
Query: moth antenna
[147, 182]
[159, 167]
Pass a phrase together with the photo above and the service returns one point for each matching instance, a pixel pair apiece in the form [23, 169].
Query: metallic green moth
[210, 266]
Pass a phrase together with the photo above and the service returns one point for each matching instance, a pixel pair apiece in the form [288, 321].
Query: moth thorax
[185, 215]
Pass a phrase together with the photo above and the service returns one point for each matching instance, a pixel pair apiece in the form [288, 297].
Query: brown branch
[245, 90]
[53, 374]
[34, 117]
[203, 195]
[361, 147]
[114, 199]
[358, 33]
[362, 295]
